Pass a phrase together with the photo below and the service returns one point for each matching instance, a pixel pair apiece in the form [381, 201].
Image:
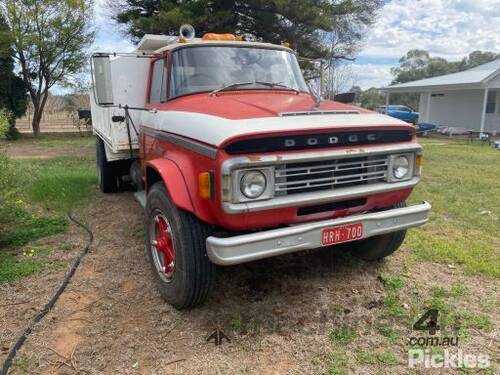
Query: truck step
[141, 197]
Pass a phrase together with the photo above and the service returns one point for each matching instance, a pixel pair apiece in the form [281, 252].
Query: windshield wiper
[231, 86]
[277, 84]
[268, 84]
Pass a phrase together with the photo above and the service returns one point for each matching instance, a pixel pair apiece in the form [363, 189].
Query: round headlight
[253, 184]
[401, 167]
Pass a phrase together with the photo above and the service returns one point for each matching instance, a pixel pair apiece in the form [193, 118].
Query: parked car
[402, 112]
[424, 128]
[235, 160]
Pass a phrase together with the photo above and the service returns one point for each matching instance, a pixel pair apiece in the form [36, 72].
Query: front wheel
[378, 247]
[177, 251]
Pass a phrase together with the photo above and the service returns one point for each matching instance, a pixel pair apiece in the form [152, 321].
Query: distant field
[52, 122]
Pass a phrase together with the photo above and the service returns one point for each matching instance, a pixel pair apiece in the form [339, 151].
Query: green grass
[60, 184]
[13, 268]
[392, 282]
[393, 306]
[52, 187]
[476, 321]
[461, 182]
[392, 335]
[30, 228]
[387, 358]
[342, 335]
[338, 363]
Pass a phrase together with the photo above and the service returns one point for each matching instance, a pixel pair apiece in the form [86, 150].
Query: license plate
[342, 233]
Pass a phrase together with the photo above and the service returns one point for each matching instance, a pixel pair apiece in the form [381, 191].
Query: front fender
[171, 175]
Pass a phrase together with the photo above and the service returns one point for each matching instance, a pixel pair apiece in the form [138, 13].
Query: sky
[446, 28]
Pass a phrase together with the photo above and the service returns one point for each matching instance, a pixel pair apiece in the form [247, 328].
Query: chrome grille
[294, 178]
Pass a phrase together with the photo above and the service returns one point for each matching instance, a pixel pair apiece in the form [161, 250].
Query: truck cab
[234, 159]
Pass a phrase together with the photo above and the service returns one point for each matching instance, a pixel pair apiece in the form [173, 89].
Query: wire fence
[55, 122]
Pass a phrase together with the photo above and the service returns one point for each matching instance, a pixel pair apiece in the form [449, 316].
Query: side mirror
[345, 98]
[101, 80]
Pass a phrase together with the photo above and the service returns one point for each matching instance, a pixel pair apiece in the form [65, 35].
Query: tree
[312, 27]
[13, 96]
[338, 79]
[477, 58]
[371, 98]
[418, 64]
[49, 39]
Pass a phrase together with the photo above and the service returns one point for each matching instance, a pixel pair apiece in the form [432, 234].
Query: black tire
[193, 275]
[378, 247]
[106, 171]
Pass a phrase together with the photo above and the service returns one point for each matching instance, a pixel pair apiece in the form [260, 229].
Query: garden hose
[48, 306]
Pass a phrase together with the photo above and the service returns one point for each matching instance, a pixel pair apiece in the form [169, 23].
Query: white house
[468, 99]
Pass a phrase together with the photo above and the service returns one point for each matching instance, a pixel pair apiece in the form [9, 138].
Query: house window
[491, 102]
[157, 92]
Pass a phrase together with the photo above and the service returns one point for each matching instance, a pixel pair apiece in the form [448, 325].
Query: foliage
[13, 96]
[8, 184]
[391, 282]
[371, 98]
[12, 268]
[315, 28]
[49, 39]
[5, 117]
[477, 58]
[342, 335]
[55, 186]
[18, 225]
[61, 183]
[419, 64]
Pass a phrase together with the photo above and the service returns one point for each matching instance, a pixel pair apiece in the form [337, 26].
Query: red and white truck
[234, 159]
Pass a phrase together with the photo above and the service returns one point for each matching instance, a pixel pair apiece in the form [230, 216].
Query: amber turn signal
[205, 188]
[419, 162]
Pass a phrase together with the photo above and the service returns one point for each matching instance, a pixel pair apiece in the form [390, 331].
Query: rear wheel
[106, 171]
[175, 242]
[378, 247]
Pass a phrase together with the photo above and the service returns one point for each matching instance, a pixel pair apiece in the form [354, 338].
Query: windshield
[204, 69]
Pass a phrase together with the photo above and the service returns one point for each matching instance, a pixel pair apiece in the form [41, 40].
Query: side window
[491, 101]
[157, 91]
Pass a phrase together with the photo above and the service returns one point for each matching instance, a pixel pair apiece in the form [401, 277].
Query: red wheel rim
[162, 246]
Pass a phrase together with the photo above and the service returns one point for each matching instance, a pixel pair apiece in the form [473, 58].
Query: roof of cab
[199, 42]
[162, 43]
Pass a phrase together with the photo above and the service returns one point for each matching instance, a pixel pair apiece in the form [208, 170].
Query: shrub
[5, 119]
[8, 184]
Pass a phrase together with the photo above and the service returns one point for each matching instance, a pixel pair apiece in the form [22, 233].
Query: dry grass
[308, 313]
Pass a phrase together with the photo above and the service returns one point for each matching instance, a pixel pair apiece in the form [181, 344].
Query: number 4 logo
[428, 322]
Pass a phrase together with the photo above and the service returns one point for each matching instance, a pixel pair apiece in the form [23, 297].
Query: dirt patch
[30, 148]
[278, 313]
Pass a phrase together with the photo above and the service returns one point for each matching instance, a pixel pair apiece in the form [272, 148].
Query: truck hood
[238, 105]
[218, 120]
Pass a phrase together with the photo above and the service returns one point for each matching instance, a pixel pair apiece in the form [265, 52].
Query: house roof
[468, 79]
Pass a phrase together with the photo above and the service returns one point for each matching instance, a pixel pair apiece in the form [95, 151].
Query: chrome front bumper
[249, 247]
